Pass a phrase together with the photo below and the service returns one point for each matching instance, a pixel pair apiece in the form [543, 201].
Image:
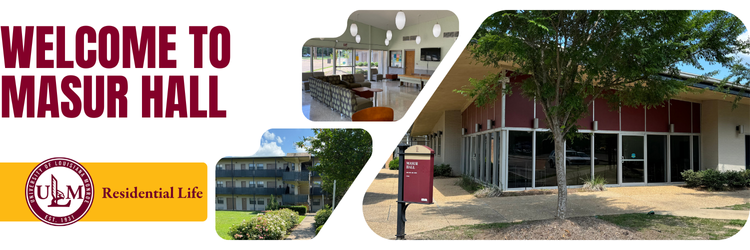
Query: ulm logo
[59, 191]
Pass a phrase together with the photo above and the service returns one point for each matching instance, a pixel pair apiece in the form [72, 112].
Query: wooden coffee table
[416, 79]
[368, 92]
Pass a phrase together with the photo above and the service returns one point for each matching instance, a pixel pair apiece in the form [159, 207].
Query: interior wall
[424, 30]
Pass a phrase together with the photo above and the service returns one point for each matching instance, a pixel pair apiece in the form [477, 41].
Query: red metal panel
[418, 178]
[520, 110]
[586, 120]
[633, 119]
[608, 119]
[679, 115]
[696, 117]
[657, 119]
[541, 116]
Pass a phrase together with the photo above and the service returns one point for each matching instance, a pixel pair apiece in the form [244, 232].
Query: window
[679, 148]
[260, 166]
[316, 183]
[260, 184]
[344, 61]
[577, 160]
[316, 202]
[251, 201]
[251, 166]
[317, 59]
[519, 159]
[439, 144]
[292, 166]
[251, 184]
[220, 201]
[219, 184]
[546, 175]
[261, 201]
[219, 166]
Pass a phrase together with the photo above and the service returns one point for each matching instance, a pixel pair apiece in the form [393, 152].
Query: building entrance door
[633, 163]
[409, 63]
[244, 203]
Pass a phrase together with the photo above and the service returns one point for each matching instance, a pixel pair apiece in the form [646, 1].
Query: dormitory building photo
[507, 143]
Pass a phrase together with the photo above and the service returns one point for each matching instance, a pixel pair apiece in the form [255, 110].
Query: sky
[723, 72]
[277, 142]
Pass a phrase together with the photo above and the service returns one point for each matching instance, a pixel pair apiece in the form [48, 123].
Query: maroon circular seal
[59, 191]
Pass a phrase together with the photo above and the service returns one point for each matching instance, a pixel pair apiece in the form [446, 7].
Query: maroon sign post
[415, 176]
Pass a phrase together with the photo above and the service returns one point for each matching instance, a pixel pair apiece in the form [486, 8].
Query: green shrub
[393, 165]
[692, 178]
[259, 228]
[469, 184]
[322, 215]
[291, 218]
[272, 204]
[301, 210]
[317, 230]
[714, 180]
[597, 184]
[442, 170]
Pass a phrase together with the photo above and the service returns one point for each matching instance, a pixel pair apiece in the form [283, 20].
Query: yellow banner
[122, 191]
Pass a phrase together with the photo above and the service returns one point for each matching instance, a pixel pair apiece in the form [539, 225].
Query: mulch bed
[583, 228]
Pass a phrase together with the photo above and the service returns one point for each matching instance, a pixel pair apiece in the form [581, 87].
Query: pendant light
[436, 28]
[419, 38]
[387, 42]
[357, 38]
[388, 35]
[353, 29]
[400, 20]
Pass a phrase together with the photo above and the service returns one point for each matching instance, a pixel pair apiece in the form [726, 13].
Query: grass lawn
[225, 219]
[745, 206]
[677, 227]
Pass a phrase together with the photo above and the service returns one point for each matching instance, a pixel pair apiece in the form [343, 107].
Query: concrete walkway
[454, 206]
[305, 230]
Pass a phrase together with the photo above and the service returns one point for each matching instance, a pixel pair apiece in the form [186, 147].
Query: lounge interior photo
[376, 69]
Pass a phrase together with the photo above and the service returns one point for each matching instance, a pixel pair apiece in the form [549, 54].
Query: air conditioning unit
[490, 124]
[477, 127]
[595, 126]
[740, 129]
[536, 123]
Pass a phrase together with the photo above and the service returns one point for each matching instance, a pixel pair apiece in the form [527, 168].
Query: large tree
[341, 154]
[574, 57]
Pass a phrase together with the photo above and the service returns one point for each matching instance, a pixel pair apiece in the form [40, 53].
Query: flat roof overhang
[445, 99]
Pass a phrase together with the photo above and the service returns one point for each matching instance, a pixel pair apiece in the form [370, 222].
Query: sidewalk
[305, 230]
[454, 206]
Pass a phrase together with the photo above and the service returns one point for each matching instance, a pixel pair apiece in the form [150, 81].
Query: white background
[260, 90]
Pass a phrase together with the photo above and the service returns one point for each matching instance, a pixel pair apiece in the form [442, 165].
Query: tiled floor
[399, 98]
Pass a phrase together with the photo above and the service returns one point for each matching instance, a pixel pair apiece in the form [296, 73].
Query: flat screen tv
[430, 54]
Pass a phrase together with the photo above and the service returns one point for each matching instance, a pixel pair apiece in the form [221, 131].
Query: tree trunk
[562, 185]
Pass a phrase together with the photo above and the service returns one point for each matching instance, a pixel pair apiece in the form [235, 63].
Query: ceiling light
[357, 38]
[400, 20]
[387, 42]
[388, 35]
[436, 30]
[419, 39]
[353, 29]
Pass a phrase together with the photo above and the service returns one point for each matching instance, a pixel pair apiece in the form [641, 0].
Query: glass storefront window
[546, 175]
[605, 152]
[657, 158]
[578, 160]
[679, 156]
[519, 159]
